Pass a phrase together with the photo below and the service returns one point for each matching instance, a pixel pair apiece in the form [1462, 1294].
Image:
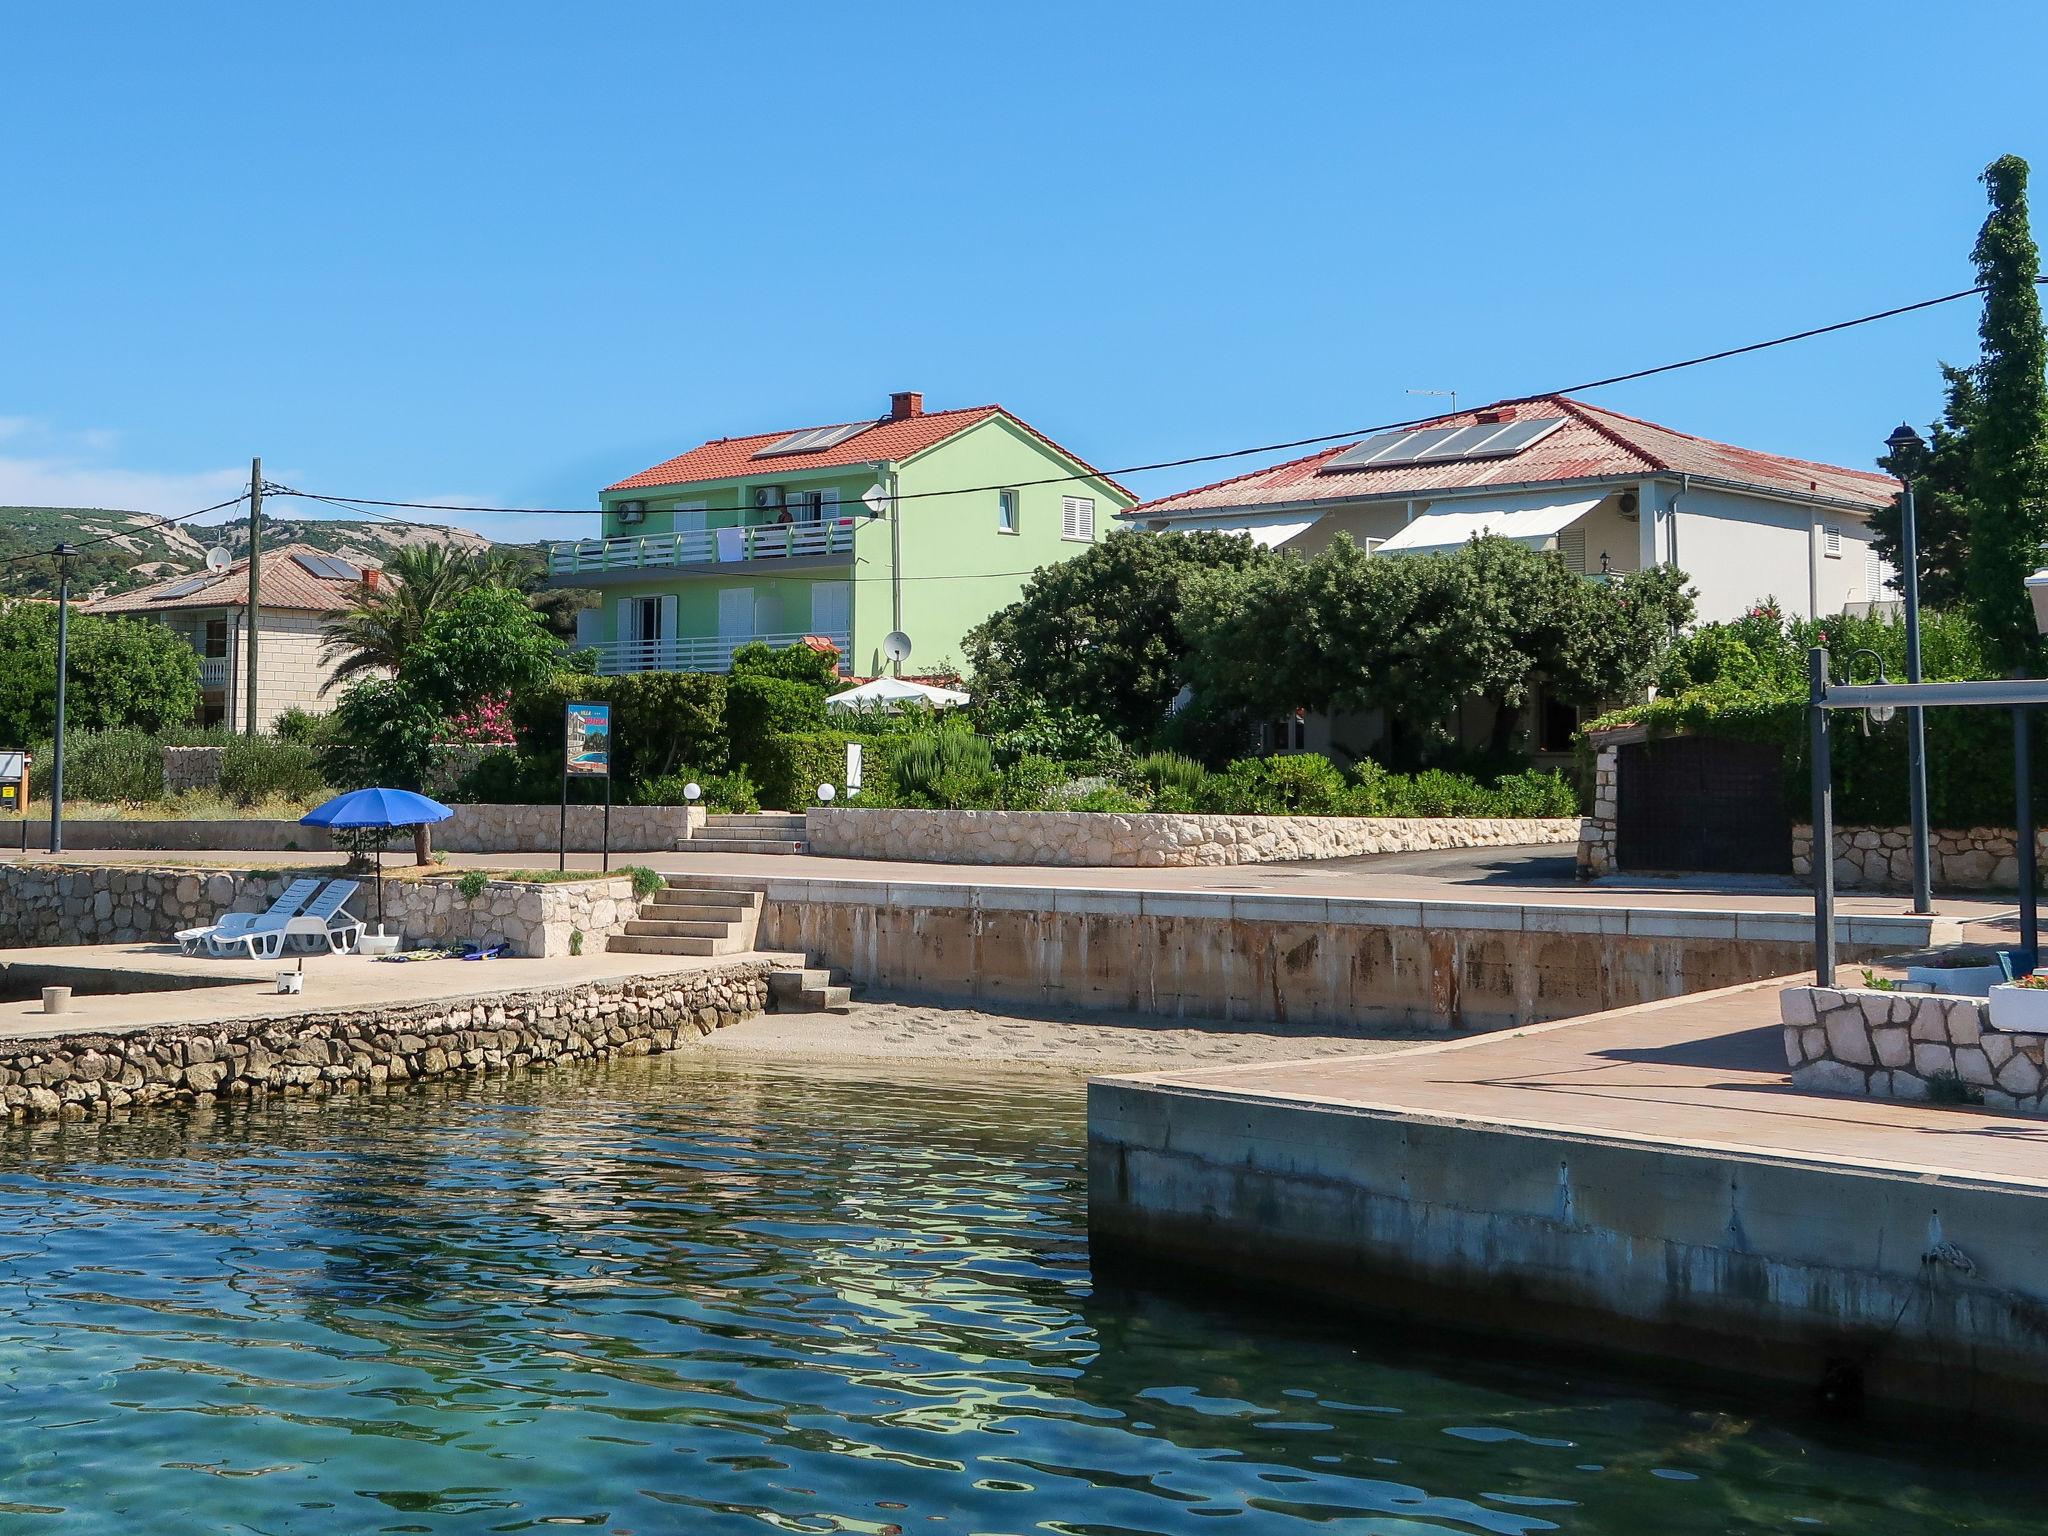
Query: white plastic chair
[212, 936]
[322, 919]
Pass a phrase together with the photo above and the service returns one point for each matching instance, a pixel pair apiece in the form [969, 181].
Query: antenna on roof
[217, 559]
[1441, 394]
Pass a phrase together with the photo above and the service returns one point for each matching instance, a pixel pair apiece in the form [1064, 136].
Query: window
[1831, 542]
[1077, 518]
[1006, 511]
[216, 643]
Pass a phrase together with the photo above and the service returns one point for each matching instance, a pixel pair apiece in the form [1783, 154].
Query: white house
[1610, 493]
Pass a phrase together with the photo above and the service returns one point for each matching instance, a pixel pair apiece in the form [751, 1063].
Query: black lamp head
[1904, 440]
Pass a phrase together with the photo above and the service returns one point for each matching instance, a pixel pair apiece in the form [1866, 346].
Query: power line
[364, 502]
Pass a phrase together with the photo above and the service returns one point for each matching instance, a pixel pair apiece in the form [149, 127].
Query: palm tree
[376, 632]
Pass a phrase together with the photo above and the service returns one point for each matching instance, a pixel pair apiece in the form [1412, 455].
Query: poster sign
[587, 740]
[853, 767]
[13, 783]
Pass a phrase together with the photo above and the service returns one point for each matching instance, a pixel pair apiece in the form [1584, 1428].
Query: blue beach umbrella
[377, 808]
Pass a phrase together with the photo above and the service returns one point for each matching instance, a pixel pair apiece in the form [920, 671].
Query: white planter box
[2022, 1009]
[378, 943]
[1956, 981]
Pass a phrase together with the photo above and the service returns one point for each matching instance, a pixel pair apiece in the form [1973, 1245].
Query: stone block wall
[318, 1053]
[191, 768]
[532, 829]
[1895, 1044]
[1098, 839]
[73, 904]
[1881, 858]
[1596, 832]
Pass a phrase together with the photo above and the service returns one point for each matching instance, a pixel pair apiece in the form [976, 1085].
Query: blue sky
[507, 253]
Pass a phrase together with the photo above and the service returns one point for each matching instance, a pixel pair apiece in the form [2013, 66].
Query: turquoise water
[680, 1296]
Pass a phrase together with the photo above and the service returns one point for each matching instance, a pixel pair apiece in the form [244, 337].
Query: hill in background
[120, 550]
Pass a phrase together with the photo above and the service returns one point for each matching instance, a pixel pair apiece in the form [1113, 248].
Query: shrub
[383, 735]
[790, 767]
[1163, 770]
[758, 706]
[507, 777]
[1534, 794]
[470, 884]
[797, 663]
[660, 720]
[724, 793]
[951, 769]
[1437, 792]
[1299, 784]
[301, 727]
[645, 881]
[254, 768]
[118, 767]
[1107, 797]
[1031, 782]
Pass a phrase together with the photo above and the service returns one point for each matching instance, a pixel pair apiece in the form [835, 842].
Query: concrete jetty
[1643, 1180]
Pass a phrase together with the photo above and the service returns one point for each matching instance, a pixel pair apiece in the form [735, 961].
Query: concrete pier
[1643, 1180]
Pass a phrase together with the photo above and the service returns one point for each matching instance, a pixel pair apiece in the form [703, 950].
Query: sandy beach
[882, 1030]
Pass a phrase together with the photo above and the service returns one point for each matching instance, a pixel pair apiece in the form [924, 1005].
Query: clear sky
[506, 253]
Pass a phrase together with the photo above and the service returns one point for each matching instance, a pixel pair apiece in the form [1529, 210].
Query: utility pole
[64, 552]
[255, 583]
[1905, 444]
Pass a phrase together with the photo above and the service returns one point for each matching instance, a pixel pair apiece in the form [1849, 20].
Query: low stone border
[1881, 858]
[534, 829]
[119, 904]
[1101, 839]
[318, 1053]
[1899, 1045]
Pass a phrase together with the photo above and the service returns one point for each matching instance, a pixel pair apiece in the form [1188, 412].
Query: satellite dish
[896, 645]
[875, 499]
[217, 558]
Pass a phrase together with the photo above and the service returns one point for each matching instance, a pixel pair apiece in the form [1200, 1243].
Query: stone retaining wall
[531, 829]
[191, 768]
[1881, 858]
[317, 1053]
[1909, 1045]
[74, 904]
[1100, 838]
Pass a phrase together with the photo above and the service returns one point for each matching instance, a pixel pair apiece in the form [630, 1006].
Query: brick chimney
[1495, 413]
[372, 578]
[904, 404]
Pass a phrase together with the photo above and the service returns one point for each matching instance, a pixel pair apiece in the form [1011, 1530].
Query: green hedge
[792, 765]
[661, 721]
[254, 768]
[760, 706]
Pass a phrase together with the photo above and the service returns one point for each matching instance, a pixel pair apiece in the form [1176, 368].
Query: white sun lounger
[213, 935]
[323, 919]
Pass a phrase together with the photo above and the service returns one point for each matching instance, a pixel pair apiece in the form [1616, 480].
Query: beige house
[300, 589]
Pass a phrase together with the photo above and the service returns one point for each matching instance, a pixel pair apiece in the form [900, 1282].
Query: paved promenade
[1512, 876]
[1705, 1072]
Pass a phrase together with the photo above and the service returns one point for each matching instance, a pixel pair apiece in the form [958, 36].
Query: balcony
[213, 671]
[701, 546]
[695, 653]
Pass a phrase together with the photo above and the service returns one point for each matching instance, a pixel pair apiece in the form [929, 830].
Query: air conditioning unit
[767, 498]
[632, 512]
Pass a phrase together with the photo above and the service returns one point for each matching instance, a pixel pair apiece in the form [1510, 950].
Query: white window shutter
[828, 502]
[831, 607]
[1077, 517]
[1832, 542]
[668, 617]
[1571, 544]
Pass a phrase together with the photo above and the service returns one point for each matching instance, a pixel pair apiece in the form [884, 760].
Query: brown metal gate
[1694, 802]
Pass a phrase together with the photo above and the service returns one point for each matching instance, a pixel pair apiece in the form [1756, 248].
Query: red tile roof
[286, 584]
[1593, 444]
[732, 458]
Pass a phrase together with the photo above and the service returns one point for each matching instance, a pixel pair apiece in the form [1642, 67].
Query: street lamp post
[63, 553]
[1907, 447]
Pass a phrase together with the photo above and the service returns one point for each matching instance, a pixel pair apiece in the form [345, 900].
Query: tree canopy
[378, 630]
[124, 674]
[1100, 634]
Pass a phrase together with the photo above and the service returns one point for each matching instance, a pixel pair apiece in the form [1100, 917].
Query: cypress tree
[2008, 511]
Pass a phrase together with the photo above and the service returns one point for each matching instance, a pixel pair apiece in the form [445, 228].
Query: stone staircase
[685, 919]
[808, 989]
[766, 832]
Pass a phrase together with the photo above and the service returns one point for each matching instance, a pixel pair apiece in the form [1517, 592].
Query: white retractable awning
[1528, 520]
[1270, 532]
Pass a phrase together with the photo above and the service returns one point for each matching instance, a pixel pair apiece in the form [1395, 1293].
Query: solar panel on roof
[1446, 445]
[331, 567]
[183, 588]
[813, 439]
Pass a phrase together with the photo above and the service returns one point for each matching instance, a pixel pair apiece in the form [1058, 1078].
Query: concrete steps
[808, 989]
[681, 919]
[762, 832]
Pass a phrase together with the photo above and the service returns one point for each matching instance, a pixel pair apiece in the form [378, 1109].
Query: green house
[921, 523]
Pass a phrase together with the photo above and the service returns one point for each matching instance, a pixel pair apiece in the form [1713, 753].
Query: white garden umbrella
[890, 694]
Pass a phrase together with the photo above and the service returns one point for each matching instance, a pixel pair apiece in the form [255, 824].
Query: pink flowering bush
[488, 722]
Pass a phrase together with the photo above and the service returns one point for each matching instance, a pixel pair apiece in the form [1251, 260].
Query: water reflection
[689, 1296]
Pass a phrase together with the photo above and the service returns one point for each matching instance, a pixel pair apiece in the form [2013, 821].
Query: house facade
[298, 590]
[918, 522]
[1608, 493]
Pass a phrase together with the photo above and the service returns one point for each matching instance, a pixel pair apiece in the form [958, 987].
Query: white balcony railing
[695, 653]
[701, 546]
[213, 671]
